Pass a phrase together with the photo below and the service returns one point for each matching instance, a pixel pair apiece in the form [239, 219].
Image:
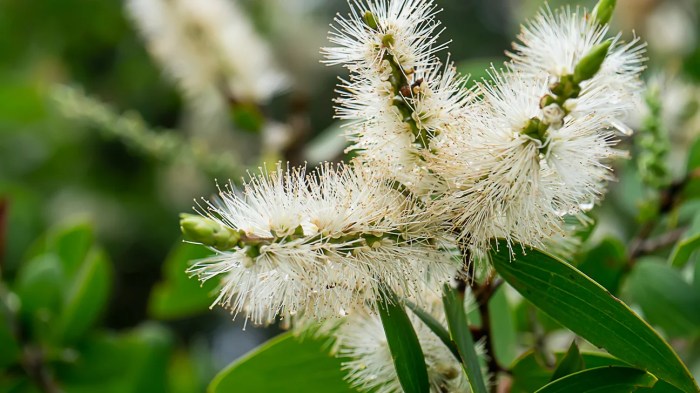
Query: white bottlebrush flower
[362, 342]
[380, 133]
[209, 47]
[554, 42]
[321, 243]
[506, 182]
[397, 97]
[403, 29]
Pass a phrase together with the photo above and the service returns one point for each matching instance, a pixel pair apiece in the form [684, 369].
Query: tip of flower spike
[208, 232]
[590, 64]
[603, 11]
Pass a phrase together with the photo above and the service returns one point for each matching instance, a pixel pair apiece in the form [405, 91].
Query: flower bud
[208, 232]
[603, 11]
[590, 64]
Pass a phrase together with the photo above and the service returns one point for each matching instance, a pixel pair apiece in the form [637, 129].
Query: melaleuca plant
[456, 189]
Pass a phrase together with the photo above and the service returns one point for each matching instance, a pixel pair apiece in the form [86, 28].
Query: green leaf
[571, 363]
[687, 245]
[133, 362]
[436, 327]
[72, 244]
[283, 364]
[602, 379]
[605, 263]
[80, 285]
[84, 297]
[590, 311]
[666, 299]
[178, 295]
[530, 371]
[404, 345]
[39, 286]
[462, 336]
[503, 330]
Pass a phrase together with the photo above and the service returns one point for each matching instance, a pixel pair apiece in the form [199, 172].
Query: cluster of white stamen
[321, 243]
[554, 42]
[506, 181]
[398, 96]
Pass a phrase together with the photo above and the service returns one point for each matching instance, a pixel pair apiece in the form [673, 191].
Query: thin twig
[651, 245]
[34, 365]
[669, 198]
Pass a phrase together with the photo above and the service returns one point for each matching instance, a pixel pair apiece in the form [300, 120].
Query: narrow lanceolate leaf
[571, 363]
[283, 364]
[587, 309]
[503, 330]
[436, 327]
[462, 336]
[687, 245]
[603, 379]
[406, 351]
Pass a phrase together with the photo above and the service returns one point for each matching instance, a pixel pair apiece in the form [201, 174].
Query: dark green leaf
[72, 244]
[590, 311]
[503, 332]
[404, 345]
[603, 379]
[530, 371]
[687, 245]
[84, 297]
[436, 327]
[666, 299]
[81, 280]
[178, 295]
[571, 363]
[134, 362]
[283, 364]
[39, 287]
[462, 336]
[605, 263]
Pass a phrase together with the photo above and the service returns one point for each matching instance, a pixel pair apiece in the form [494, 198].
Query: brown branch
[35, 367]
[651, 245]
[670, 197]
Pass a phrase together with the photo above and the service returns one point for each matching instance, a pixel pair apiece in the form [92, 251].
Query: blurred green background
[92, 264]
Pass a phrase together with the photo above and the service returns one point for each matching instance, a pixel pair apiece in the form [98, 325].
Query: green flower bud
[590, 64]
[603, 11]
[208, 232]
